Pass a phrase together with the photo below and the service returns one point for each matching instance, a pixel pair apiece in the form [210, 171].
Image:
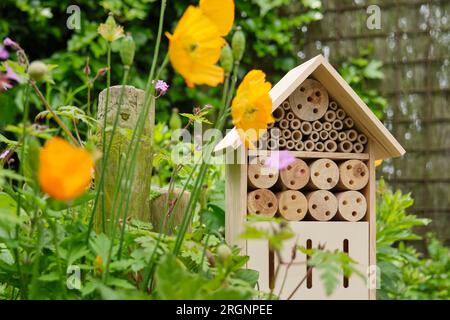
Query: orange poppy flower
[65, 171]
[251, 108]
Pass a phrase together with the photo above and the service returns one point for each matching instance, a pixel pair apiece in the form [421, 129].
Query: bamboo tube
[292, 205]
[295, 176]
[322, 205]
[260, 176]
[333, 105]
[284, 124]
[278, 114]
[324, 174]
[319, 146]
[333, 135]
[352, 206]
[353, 175]
[330, 116]
[330, 146]
[299, 146]
[272, 144]
[324, 135]
[314, 136]
[290, 145]
[270, 125]
[352, 135]
[306, 127]
[297, 135]
[345, 146]
[342, 136]
[309, 145]
[285, 105]
[282, 142]
[362, 138]
[340, 114]
[275, 133]
[358, 147]
[317, 126]
[263, 202]
[337, 125]
[327, 126]
[286, 133]
[295, 124]
[290, 116]
[348, 123]
[310, 101]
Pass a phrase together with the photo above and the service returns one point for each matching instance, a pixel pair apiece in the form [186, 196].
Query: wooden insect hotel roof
[385, 145]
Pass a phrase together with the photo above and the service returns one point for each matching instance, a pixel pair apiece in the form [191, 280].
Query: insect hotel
[327, 195]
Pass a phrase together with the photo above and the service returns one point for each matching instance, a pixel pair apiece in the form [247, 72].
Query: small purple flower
[5, 79]
[3, 53]
[11, 75]
[279, 160]
[5, 154]
[161, 87]
[10, 43]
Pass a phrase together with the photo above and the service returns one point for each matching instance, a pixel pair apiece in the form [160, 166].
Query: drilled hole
[271, 176]
[302, 171]
[256, 176]
[327, 213]
[285, 208]
[327, 198]
[329, 180]
[317, 93]
[354, 213]
[315, 110]
[302, 89]
[351, 182]
[358, 200]
[289, 167]
[293, 197]
[363, 174]
[314, 206]
[292, 182]
[344, 202]
[316, 174]
[270, 204]
[299, 210]
[349, 167]
[309, 99]
[257, 196]
[327, 165]
[299, 106]
[257, 212]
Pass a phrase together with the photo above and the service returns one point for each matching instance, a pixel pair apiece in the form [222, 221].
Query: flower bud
[224, 252]
[226, 59]
[175, 120]
[127, 50]
[238, 44]
[37, 70]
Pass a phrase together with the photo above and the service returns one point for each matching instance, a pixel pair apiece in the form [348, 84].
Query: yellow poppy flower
[65, 171]
[251, 108]
[196, 43]
[220, 12]
[378, 162]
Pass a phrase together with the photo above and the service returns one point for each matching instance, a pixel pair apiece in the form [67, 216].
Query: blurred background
[401, 70]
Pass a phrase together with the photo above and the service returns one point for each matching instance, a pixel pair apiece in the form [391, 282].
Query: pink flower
[161, 87]
[5, 154]
[279, 160]
[5, 79]
[10, 43]
[3, 53]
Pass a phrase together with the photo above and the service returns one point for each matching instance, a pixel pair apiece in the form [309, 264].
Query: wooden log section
[345, 146]
[333, 105]
[282, 142]
[342, 136]
[309, 145]
[295, 124]
[352, 206]
[306, 128]
[286, 133]
[337, 124]
[324, 174]
[329, 116]
[284, 124]
[299, 146]
[317, 126]
[330, 146]
[309, 101]
[290, 116]
[333, 135]
[348, 123]
[296, 135]
[290, 145]
[259, 176]
[353, 175]
[314, 136]
[319, 146]
[275, 133]
[362, 138]
[263, 202]
[295, 176]
[286, 106]
[352, 135]
[324, 135]
[278, 114]
[322, 205]
[292, 205]
[327, 126]
[358, 147]
[340, 114]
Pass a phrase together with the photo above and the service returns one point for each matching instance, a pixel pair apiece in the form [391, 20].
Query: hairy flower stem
[55, 116]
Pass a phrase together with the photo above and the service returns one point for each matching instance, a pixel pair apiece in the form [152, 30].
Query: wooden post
[133, 102]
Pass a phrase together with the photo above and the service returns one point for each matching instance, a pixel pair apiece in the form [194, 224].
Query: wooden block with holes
[327, 195]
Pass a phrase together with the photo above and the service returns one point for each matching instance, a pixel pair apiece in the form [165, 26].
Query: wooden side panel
[258, 250]
[371, 218]
[236, 201]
